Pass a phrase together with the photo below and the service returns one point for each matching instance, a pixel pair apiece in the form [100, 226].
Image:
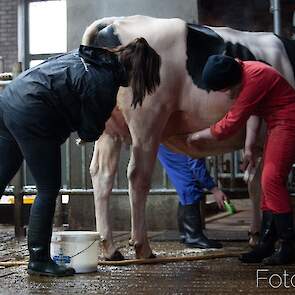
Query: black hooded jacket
[75, 91]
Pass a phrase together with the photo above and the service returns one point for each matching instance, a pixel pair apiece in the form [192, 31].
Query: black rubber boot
[194, 236]
[41, 264]
[180, 216]
[266, 242]
[284, 252]
[39, 237]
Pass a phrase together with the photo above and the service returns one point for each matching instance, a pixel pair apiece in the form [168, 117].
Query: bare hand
[193, 137]
[199, 135]
[248, 160]
[219, 197]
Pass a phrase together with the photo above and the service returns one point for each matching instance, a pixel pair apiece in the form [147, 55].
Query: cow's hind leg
[103, 169]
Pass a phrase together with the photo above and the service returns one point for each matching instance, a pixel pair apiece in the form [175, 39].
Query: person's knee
[275, 191]
[49, 190]
[272, 181]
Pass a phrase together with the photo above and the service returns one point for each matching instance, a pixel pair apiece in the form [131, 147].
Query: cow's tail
[91, 31]
[142, 64]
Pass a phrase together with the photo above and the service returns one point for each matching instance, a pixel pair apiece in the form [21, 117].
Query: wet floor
[214, 276]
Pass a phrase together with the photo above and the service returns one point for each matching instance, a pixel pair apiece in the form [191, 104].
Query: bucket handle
[84, 249]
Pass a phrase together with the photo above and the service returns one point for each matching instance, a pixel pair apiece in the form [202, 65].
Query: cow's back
[180, 93]
[264, 46]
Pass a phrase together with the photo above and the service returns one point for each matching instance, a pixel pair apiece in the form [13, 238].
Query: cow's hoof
[150, 256]
[144, 255]
[116, 256]
[153, 255]
[253, 239]
[131, 242]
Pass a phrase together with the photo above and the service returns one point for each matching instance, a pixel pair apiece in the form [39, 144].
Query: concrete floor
[215, 276]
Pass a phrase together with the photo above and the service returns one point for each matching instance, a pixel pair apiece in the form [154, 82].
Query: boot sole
[200, 247]
[251, 262]
[274, 263]
[46, 274]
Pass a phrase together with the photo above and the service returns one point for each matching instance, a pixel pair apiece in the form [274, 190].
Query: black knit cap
[221, 72]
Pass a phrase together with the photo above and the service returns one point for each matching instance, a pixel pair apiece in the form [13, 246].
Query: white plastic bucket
[77, 249]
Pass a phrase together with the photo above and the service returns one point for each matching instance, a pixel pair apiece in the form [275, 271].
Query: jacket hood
[102, 57]
[98, 56]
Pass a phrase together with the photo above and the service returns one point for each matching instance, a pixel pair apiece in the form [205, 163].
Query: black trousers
[43, 158]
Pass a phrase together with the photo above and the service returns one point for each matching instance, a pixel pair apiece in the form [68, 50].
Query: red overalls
[265, 93]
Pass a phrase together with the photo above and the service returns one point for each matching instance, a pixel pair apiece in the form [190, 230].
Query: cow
[179, 106]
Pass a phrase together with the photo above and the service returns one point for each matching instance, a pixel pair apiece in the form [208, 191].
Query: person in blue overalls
[190, 177]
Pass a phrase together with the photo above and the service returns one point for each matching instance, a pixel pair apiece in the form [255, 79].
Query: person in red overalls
[259, 92]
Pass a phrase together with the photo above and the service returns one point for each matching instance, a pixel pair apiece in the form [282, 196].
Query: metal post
[18, 205]
[18, 180]
[276, 10]
[83, 166]
[215, 171]
[59, 214]
[232, 170]
[164, 178]
[20, 30]
[68, 164]
[1, 64]
[117, 180]
[23, 33]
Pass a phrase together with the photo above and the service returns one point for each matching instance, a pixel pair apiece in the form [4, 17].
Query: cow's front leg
[139, 175]
[146, 125]
[103, 169]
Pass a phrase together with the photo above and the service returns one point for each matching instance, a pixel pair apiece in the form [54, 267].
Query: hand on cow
[199, 135]
[219, 197]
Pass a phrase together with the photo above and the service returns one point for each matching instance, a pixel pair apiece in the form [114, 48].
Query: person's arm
[98, 100]
[204, 134]
[253, 125]
[245, 105]
[252, 129]
[92, 124]
[228, 125]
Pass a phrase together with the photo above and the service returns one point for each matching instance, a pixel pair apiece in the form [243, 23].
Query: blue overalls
[189, 176]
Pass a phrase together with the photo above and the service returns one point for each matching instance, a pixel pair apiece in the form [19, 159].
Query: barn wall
[8, 34]
[82, 13]
[251, 15]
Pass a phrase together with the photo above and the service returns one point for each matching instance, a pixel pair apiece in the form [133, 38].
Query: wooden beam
[172, 259]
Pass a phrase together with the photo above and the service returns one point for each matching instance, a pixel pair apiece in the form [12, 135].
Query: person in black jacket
[75, 91]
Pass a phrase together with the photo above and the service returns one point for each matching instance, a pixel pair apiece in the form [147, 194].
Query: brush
[229, 207]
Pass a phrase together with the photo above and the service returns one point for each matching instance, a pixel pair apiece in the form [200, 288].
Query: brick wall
[251, 15]
[8, 33]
